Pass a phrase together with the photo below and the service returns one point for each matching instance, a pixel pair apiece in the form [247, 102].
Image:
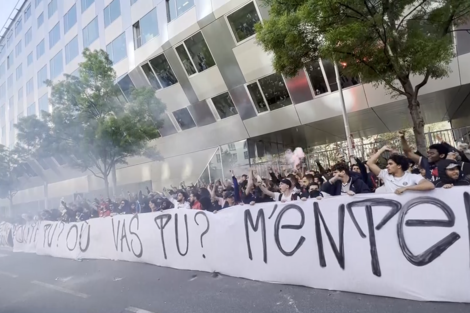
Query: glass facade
[243, 21]
[112, 12]
[117, 49]
[90, 33]
[56, 65]
[70, 18]
[71, 50]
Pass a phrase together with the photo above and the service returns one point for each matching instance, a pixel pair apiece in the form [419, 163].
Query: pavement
[39, 284]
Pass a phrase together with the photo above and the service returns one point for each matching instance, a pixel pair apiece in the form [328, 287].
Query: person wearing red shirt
[194, 201]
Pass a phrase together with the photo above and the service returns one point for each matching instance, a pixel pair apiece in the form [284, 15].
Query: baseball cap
[452, 165]
[287, 182]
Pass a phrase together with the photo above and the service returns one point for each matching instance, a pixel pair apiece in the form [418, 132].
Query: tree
[10, 167]
[383, 42]
[91, 123]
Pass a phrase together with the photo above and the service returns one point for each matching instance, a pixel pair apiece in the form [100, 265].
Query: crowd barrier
[414, 246]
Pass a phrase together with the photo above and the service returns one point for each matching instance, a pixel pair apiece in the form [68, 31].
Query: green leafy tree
[383, 42]
[91, 124]
[10, 167]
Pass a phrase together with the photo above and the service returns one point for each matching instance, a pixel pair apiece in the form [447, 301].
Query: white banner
[414, 246]
[6, 234]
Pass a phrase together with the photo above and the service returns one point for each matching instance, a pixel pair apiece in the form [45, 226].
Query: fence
[330, 156]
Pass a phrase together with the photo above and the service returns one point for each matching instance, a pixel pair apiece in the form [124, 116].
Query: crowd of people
[386, 171]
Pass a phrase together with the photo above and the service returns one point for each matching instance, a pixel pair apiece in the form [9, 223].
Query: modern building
[226, 108]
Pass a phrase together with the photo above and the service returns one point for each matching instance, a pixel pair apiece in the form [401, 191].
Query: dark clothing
[464, 167]
[445, 179]
[275, 179]
[236, 189]
[357, 186]
[366, 177]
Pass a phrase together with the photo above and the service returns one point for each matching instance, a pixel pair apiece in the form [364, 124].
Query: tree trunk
[114, 181]
[416, 115]
[418, 125]
[106, 186]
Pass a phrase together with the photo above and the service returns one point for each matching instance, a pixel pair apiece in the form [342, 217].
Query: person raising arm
[396, 178]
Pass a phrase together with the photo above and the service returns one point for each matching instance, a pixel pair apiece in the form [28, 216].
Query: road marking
[9, 274]
[137, 310]
[57, 288]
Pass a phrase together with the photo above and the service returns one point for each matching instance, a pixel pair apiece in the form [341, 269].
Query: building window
[86, 4]
[31, 110]
[2, 114]
[218, 158]
[152, 78]
[76, 73]
[3, 91]
[231, 147]
[11, 107]
[28, 37]
[275, 91]
[70, 19]
[184, 119]
[117, 49]
[54, 35]
[269, 93]
[29, 87]
[29, 59]
[71, 50]
[27, 13]
[42, 77]
[18, 48]
[195, 55]
[40, 19]
[20, 98]
[90, 33]
[18, 27]
[44, 103]
[145, 29]
[2, 69]
[159, 72]
[243, 21]
[10, 82]
[10, 60]
[175, 8]
[127, 87]
[245, 154]
[51, 8]
[224, 105]
[112, 12]
[317, 80]
[9, 38]
[257, 97]
[40, 49]
[330, 74]
[56, 66]
[19, 72]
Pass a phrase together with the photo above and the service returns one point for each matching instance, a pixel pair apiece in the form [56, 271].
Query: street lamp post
[343, 110]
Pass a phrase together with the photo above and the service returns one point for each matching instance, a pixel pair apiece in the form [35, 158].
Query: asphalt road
[37, 284]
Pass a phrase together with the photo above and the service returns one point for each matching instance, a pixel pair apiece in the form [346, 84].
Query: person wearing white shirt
[396, 178]
[180, 201]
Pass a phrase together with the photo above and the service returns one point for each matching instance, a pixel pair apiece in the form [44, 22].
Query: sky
[6, 8]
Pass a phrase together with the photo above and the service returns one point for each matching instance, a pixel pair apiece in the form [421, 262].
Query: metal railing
[328, 156]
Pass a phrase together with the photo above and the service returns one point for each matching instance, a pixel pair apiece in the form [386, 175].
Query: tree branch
[411, 12]
[389, 84]
[422, 83]
[94, 174]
